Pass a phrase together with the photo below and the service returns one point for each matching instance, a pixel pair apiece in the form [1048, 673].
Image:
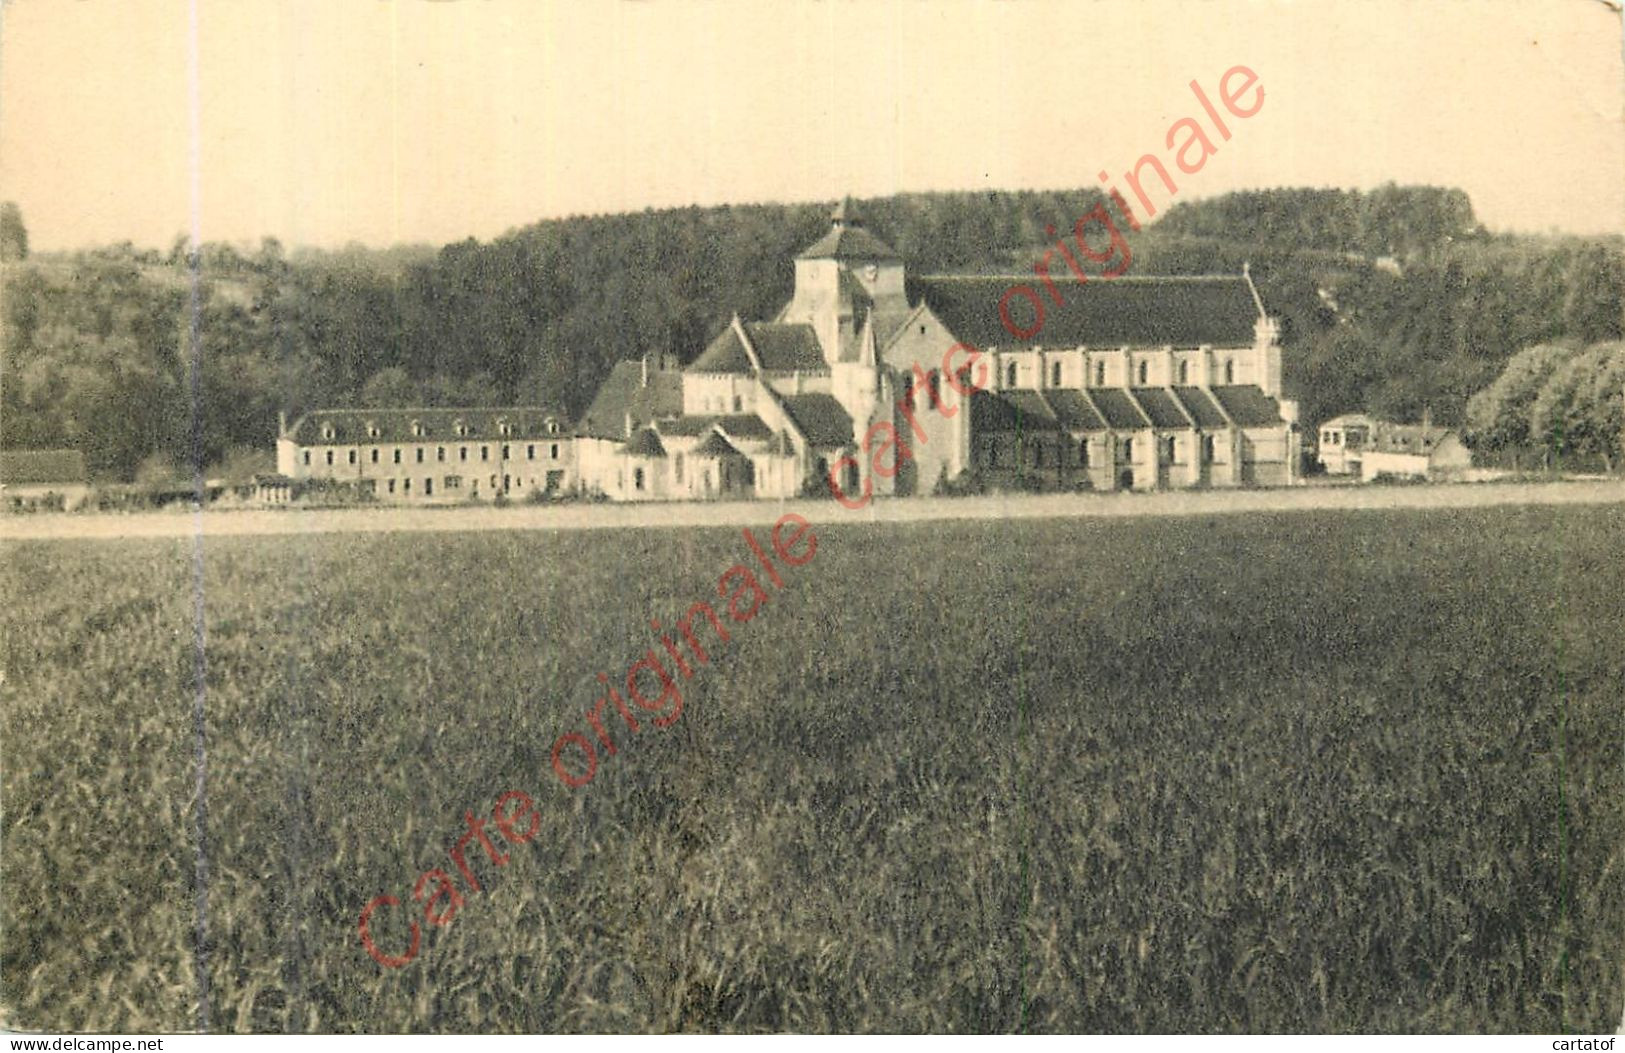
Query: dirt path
[222, 523]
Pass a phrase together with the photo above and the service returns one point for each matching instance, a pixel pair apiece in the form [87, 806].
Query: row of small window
[720, 405]
[640, 480]
[460, 428]
[440, 453]
[1167, 447]
[450, 482]
[1143, 373]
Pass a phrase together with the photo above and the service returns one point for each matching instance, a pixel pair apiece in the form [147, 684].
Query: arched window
[1184, 372]
[1100, 374]
[327, 431]
[417, 429]
[637, 478]
[934, 382]
[1083, 452]
[1168, 449]
[739, 404]
[1230, 371]
[1142, 372]
[1010, 375]
[1207, 449]
[1128, 449]
[1055, 375]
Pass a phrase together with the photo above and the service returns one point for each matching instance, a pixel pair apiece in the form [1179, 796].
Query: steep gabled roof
[1201, 408]
[1014, 410]
[1161, 408]
[782, 347]
[1032, 412]
[820, 418]
[38, 467]
[1407, 438]
[716, 446]
[1248, 406]
[848, 243]
[625, 392]
[356, 426]
[1186, 311]
[646, 443]
[786, 347]
[1073, 411]
[737, 425]
[847, 239]
[1120, 411]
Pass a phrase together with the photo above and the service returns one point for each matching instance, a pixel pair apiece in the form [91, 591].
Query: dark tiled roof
[1137, 312]
[34, 467]
[1161, 408]
[1017, 411]
[1248, 406]
[783, 347]
[1032, 412]
[1073, 410]
[624, 392]
[1119, 410]
[989, 412]
[716, 446]
[437, 423]
[821, 419]
[847, 242]
[1406, 438]
[645, 443]
[738, 425]
[1200, 406]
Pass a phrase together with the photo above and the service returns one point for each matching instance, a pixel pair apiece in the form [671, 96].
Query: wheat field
[1354, 771]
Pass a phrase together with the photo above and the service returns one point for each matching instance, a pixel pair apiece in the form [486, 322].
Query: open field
[580, 516]
[1354, 770]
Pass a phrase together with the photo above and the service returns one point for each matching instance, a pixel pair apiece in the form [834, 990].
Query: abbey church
[873, 386]
[1133, 383]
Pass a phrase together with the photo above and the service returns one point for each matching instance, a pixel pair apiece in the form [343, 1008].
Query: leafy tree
[390, 387]
[1498, 417]
[13, 235]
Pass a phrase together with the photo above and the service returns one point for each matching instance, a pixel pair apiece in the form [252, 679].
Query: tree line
[1557, 401]
[140, 356]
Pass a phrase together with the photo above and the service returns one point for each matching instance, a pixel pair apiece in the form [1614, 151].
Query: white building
[1131, 383]
[430, 455]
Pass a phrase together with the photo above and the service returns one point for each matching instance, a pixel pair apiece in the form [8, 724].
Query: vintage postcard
[811, 517]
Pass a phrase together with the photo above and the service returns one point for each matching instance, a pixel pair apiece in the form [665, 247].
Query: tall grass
[1296, 772]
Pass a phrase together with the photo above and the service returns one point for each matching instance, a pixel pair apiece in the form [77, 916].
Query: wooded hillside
[1392, 300]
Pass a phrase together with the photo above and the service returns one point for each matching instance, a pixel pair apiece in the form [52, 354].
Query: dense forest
[1393, 300]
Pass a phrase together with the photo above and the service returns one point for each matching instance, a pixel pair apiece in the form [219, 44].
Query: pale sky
[326, 121]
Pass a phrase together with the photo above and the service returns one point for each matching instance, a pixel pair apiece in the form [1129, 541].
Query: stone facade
[1137, 383]
[431, 455]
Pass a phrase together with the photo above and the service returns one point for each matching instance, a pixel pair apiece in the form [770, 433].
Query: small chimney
[645, 371]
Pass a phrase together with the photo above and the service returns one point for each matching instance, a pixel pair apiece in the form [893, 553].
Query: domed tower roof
[848, 239]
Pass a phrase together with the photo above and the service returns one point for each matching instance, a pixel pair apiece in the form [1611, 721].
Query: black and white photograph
[811, 517]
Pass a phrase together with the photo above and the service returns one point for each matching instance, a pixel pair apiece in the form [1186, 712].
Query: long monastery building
[1132, 384]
